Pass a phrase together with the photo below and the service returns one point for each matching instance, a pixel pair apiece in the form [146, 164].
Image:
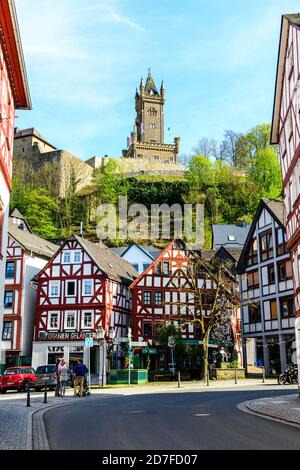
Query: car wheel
[3, 391]
[38, 389]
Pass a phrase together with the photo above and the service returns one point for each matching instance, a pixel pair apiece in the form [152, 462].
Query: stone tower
[148, 140]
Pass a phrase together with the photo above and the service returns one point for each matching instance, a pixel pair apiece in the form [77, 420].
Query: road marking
[201, 415]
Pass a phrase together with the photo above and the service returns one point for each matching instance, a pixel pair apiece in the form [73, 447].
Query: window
[252, 255]
[70, 320]
[273, 309]
[77, 257]
[285, 270]
[231, 238]
[147, 298]
[10, 270]
[53, 321]
[87, 319]
[266, 245]
[70, 288]
[166, 268]
[271, 274]
[7, 330]
[9, 299]
[281, 242]
[152, 126]
[87, 287]
[156, 157]
[67, 257]
[158, 268]
[54, 289]
[287, 308]
[147, 330]
[253, 280]
[254, 313]
[158, 298]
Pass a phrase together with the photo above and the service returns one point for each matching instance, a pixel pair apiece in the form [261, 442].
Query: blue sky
[85, 58]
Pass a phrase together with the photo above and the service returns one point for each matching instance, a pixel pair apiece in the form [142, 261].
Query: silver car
[45, 374]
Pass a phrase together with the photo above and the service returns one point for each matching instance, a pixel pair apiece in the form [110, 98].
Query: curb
[245, 407]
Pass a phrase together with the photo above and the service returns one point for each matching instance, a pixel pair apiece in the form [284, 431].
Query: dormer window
[231, 238]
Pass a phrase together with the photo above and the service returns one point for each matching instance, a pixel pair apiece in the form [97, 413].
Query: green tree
[265, 172]
[110, 182]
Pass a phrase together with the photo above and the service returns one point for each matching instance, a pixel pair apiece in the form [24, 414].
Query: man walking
[58, 371]
[80, 370]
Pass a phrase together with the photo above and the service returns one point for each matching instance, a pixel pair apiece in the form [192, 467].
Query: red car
[17, 378]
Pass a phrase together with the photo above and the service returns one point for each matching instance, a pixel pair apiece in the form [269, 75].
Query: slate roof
[150, 85]
[149, 249]
[112, 265]
[31, 242]
[222, 235]
[277, 209]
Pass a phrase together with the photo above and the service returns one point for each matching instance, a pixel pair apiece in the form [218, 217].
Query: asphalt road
[168, 421]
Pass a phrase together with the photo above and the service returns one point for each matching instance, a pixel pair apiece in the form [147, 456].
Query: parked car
[45, 374]
[17, 378]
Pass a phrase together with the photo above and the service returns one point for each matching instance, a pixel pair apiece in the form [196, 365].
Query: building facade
[266, 286]
[83, 288]
[14, 94]
[27, 254]
[139, 256]
[163, 293]
[286, 133]
[148, 141]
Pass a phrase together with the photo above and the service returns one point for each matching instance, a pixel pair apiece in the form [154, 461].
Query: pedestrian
[80, 370]
[57, 373]
[63, 378]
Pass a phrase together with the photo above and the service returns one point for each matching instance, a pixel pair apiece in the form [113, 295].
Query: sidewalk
[284, 409]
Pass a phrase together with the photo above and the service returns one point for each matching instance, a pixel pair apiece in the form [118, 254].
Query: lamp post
[103, 338]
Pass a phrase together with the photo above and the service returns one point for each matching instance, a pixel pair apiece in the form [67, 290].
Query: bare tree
[228, 147]
[215, 300]
[206, 147]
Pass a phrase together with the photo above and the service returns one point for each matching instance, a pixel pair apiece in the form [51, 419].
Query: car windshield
[12, 372]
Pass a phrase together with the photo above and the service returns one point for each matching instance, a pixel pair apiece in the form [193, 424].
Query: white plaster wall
[32, 266]
[136, 256]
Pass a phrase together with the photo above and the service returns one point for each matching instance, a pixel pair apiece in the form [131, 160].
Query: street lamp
[103, 337]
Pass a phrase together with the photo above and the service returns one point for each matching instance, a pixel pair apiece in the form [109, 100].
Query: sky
[85, 58]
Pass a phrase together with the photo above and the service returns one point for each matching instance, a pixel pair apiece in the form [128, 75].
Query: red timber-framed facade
[286, 133]
[162, 293]
[26, 254]
[84, 287]
[14, 94]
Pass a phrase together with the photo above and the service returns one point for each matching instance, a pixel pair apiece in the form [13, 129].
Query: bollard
[179, 383]
[28, 397]
[45, 393]
[236, 376]
[263, 375]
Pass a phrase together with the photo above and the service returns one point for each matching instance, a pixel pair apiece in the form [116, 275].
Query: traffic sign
[171, 342]
[89, 342]
[120, 340]
[139, 344]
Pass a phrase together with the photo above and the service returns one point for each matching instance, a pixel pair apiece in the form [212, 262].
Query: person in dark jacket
[80, 370]
[57, 373]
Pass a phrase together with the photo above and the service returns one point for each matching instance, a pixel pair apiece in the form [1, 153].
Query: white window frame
[85, 281]
[90, 312]
[80, 257]
[67, 313]
[52, 284]
[66, 253]
[49, 321]
[66, 292]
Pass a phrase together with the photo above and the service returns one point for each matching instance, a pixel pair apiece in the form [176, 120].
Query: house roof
[230, 236]
[150, 85]
[31, 242]
[32, 132]
[286, 21]
[276, 210]
[149, 250]
[13, 54]
[112, 265]
[17, 214]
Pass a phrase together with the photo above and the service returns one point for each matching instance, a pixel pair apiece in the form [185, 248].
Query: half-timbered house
[27, 254]
[14, 94]
[266, 286]
[84, 287]
[163, 294]
[286, 133]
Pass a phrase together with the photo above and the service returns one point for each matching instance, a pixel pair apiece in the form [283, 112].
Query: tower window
[152, 126]
[156, 157]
